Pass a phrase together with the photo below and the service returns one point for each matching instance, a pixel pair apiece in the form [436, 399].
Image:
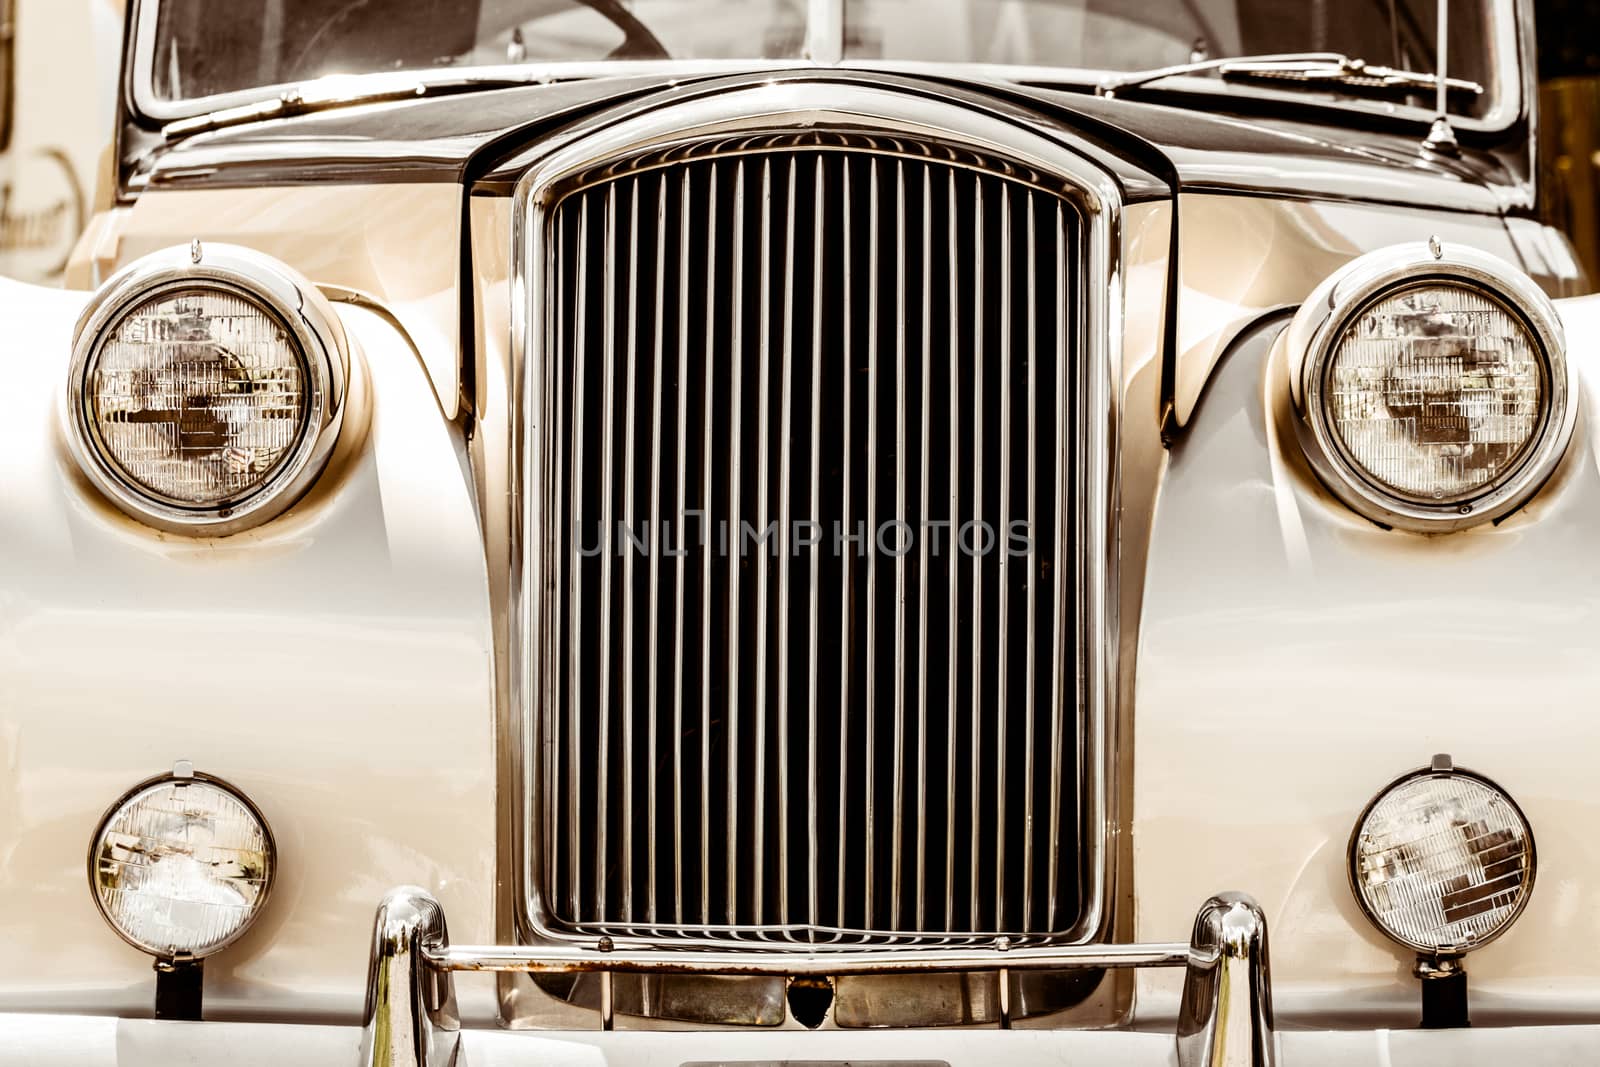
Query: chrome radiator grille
[753, 736]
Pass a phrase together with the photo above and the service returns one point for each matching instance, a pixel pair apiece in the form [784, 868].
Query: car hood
[476, 137]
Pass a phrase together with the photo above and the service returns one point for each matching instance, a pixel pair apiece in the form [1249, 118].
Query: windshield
[193, 53]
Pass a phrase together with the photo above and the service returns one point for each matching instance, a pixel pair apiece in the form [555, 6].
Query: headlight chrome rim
[1320, 324]
[314, 331]
[183, 774]
[1442, 767]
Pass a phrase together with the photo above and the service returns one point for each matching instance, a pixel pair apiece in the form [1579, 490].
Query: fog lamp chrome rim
[313, 330]
[185, 776]
[1312, 340]
[1442, 769]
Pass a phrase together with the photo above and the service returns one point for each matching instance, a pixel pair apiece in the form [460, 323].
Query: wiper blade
[1344, 72]
[331, 92]
[1306, 68]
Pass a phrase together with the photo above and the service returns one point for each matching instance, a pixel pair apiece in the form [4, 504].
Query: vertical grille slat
[653, 677]
[707, 453]
[626, 514]
[897, 856]
[803, 694]
[735, 636]
[845, 636]
[608, 420]
[952, 578]
[976, 616]
[819, 251]
[924, 510]
[1003, 590]
[1030, 634]
[574, 719]
[1058, 692]
[678, 675]
[785, 550]
[561, 783]
[760, 627]
[870, 563]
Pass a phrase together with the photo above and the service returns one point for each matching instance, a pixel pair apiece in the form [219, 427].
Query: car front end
[870, 553]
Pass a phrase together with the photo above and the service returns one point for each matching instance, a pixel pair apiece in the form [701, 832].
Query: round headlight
[207, 388]
[1433, 389]
[1442, 861]
[181, 865]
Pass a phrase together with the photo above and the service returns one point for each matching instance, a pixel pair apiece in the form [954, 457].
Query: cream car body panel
[1242, 257]
[336, 663]
[1260, 579]
[399, 243]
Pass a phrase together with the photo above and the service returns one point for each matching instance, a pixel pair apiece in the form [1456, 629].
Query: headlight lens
[1442, 861]
[1432, 386]
[207, 388]
[1436, 391]
[181, 866]
[198, 395]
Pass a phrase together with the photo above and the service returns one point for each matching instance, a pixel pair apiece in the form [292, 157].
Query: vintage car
[855, 530]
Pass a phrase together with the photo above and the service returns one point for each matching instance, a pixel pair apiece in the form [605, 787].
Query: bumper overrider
[411, 1018]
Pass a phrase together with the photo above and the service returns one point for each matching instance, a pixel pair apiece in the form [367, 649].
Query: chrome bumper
[411, 1019]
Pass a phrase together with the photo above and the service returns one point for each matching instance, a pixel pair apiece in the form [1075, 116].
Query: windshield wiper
[340, 90]
[1294, 68]
[1346, 73]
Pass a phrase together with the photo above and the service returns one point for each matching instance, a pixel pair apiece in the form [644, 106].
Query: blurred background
[59, 63]
[1569, 112]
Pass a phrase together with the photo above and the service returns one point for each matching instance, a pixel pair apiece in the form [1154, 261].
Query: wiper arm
[335, 91]
[1344, 72]
[1110, 86]
[1317, 68]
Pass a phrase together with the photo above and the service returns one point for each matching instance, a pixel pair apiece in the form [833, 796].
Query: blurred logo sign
[41, 215]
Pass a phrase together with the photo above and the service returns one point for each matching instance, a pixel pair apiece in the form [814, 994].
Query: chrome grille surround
[825, 115]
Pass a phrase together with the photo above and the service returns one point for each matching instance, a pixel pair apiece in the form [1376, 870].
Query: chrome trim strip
[580, 959]
[851, 108]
